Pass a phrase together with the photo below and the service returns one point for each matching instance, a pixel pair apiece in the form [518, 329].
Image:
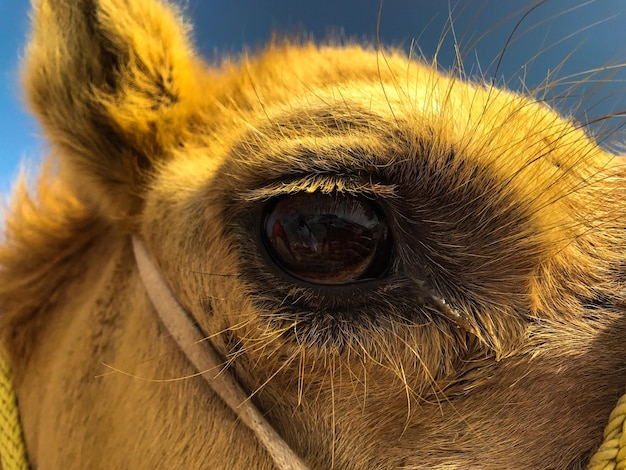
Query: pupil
[327, 238]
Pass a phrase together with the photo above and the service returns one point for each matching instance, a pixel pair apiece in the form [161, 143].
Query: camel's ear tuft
[112, 83]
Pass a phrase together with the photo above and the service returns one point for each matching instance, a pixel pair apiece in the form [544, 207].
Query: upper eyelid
[323, 183]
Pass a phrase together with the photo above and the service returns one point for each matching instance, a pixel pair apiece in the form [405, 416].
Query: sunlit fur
[496, 341]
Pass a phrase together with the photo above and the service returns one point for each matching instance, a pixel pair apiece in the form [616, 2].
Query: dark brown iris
[328, 238]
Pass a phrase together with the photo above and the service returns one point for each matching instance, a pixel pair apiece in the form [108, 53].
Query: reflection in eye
[328, 238]
[306, 236]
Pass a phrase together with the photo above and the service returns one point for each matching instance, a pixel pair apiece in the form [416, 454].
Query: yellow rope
[611, 455]
[12, 454]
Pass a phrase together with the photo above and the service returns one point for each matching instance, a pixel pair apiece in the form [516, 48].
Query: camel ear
[112, 83]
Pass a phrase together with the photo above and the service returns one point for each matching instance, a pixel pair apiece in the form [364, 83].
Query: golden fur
[508, 212]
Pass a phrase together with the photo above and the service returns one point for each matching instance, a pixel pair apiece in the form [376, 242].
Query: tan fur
[508, 212]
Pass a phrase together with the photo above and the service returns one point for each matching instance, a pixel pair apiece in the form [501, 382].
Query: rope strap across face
[12, 454]
[611, 455]
[202, 355]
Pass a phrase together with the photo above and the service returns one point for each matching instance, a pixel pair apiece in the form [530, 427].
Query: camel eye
[328, 238]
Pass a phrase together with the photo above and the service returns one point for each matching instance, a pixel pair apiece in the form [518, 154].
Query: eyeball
[327, 238]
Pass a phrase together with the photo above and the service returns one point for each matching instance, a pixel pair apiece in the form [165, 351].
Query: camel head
[402, 267]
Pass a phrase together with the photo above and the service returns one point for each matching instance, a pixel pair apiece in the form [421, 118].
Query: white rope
[202, 355]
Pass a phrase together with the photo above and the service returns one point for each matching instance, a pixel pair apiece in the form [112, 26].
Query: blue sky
[593, 32]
